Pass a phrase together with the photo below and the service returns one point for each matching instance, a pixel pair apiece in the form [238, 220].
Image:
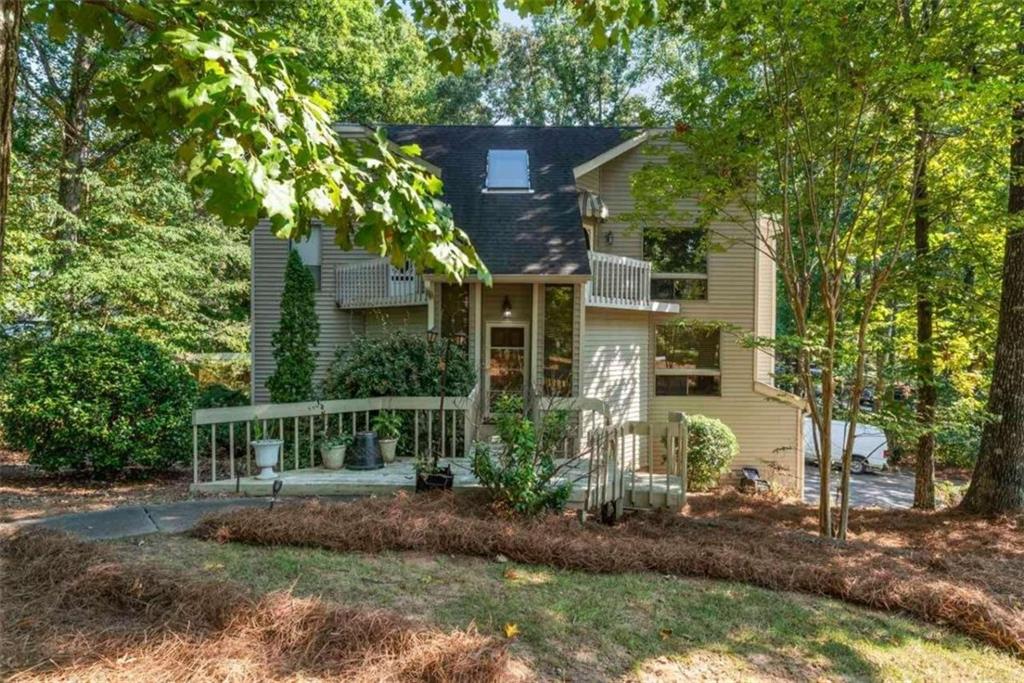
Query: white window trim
[692, 372]
[658, 275]
[506, 189]
[486, 360]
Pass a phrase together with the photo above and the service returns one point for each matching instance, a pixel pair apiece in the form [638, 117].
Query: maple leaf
[511, 630]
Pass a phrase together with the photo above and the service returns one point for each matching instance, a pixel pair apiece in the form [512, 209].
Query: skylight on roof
[508, 169]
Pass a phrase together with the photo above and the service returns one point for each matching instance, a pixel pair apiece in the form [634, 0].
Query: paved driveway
[886, 490]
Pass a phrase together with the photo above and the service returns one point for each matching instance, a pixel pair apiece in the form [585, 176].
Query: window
[687, 361]
[508, 169]
[679, 263]
[559, 303]
[454, 310]
[309, 252]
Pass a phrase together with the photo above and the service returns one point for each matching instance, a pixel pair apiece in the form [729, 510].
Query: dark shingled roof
[535, 234]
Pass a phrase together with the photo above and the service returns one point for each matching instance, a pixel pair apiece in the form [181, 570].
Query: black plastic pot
[365, 453]
[435, 481]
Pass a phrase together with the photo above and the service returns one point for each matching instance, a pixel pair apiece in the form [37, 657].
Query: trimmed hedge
[712, 447]
[100, 402]
[399, 364]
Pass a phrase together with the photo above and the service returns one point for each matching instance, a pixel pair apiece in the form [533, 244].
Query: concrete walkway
[136, 520]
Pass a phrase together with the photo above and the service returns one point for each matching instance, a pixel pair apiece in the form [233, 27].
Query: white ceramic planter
[334, 458]
[387, 449]
[268, 452]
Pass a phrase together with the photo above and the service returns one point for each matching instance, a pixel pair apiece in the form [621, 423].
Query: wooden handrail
[273, 411]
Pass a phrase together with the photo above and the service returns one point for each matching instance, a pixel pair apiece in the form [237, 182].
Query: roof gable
[535, 232]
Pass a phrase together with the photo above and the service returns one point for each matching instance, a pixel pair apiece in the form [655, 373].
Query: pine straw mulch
[72, 611]
[946, 568]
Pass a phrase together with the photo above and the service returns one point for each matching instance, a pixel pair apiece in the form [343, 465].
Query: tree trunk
[998, 483]
[924, 480]
[74, 136]
[10, 29]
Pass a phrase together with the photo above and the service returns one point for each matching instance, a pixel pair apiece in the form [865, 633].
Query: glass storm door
[506, 362]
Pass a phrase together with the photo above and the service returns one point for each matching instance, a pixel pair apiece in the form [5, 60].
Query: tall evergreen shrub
[296, 336]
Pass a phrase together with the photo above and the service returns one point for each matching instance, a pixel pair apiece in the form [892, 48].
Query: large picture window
[687, 361]
[558, 316]
[679, 263]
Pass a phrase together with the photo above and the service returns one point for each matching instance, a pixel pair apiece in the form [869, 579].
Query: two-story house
[582, 303]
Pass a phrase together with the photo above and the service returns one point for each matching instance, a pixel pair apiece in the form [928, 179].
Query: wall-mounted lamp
[506, 308]
[609, 238]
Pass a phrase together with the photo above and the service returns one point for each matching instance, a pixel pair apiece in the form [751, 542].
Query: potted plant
[268, 453]
[388, 427]
[333, 451]
[430, 476]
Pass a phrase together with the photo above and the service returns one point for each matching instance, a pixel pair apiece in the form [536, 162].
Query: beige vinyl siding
[383, 321]
[767, 431]
[337, 327]
[765, 315]
[590, 181]
[616, 356]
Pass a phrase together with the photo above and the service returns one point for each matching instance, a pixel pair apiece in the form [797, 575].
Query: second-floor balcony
[622, 282]
[375, 283]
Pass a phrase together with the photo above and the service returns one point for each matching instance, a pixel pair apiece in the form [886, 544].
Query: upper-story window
[687, 361]
[679, 261]
[508, 169]
[309, 251]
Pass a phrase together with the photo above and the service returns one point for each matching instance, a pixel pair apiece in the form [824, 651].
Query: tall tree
[256, 139]
[10, 28]
[295, 338]
[998, 482]
[816, 102]
[550, 73]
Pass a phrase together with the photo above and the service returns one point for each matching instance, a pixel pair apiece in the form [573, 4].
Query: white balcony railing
[375, 283]
[618, 281]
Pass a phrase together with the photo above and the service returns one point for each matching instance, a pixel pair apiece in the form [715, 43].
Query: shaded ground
[596, 627]
[943, 567]
[27, 493]
[74, 611]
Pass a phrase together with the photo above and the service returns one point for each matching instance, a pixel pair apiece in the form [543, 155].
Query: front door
[506, 361]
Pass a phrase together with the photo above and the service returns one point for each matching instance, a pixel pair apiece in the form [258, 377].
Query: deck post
[679, 417]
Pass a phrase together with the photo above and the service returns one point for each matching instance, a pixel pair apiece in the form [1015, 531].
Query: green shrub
[100, 402]
[520, 476]
[220, 396]
[712, 447]
[295, 338]
[398, 364]
[958, 433]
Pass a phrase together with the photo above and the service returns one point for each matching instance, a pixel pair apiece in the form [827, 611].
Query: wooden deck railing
[375, 283]
[302, 426]
[623, 463]
[618, 281]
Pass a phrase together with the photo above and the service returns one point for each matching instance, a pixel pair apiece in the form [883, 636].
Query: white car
[870, 447]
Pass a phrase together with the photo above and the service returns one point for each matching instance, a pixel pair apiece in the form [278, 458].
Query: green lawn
[580, 626]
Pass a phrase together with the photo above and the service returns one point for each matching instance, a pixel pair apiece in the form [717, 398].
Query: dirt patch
[73, 611]
[944, 567]
[27, 492]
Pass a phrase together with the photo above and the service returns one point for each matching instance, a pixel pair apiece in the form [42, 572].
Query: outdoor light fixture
[432, 335]
[506, 308]
[460, 339]
[609, 237]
